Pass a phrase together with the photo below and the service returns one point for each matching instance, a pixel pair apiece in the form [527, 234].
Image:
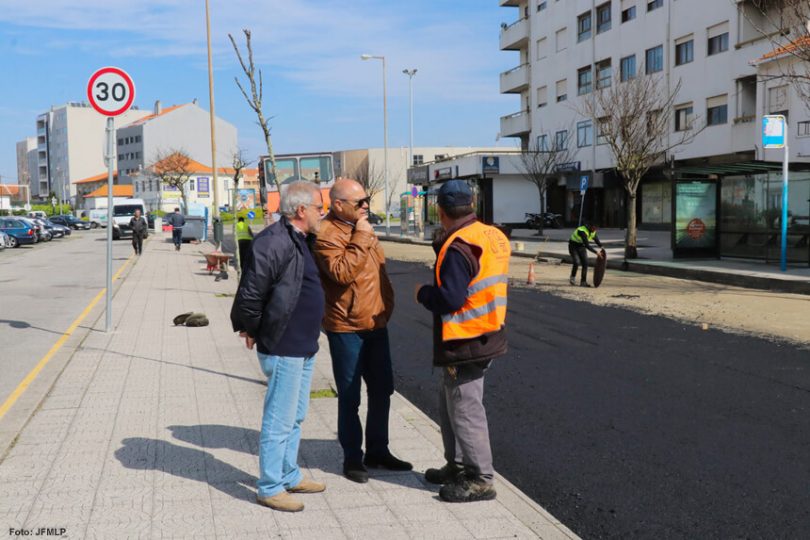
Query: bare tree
[541, 163]
[786, 25]
[369, 177]
[172, 168]
[634, 118]
[254, 101]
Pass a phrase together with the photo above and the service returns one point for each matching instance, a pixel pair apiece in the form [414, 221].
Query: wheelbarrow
[217, 260]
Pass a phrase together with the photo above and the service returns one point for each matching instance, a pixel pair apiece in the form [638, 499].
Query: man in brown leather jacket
[359, 303]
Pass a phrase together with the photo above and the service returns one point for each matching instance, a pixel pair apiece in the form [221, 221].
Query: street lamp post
[385, 141]
[410, 73]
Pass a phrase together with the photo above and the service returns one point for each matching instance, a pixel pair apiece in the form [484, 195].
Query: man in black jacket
[177, 221]
[138, 226]
[278, 308]
[468, 302]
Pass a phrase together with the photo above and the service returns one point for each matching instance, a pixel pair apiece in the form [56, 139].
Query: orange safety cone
[530, 279]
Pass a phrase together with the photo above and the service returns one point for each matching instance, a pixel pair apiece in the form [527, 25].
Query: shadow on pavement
[154, 455]
[22, 325]
[218, 436]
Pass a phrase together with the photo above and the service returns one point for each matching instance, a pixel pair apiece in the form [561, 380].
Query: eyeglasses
[319, 207]
[358, 202]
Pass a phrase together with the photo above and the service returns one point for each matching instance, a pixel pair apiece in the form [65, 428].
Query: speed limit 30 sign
[111, 91]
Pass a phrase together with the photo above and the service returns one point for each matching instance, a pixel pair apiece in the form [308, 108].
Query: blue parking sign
[583, 182]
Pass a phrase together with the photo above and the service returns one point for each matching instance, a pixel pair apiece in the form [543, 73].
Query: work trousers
[579, 257]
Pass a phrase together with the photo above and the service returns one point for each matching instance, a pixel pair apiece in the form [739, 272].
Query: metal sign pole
[783, 256]
[110, 160]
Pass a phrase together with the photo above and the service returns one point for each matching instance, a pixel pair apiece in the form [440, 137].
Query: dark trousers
[137, 243]
[463, 419]
[579, 257]
[244, 253]
[177, 237]
[363, 355]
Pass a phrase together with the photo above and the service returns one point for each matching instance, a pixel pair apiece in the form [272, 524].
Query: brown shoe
[307, 486]
[284, 502]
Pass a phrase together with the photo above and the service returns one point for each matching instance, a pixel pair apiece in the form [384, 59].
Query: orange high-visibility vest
[484, 310]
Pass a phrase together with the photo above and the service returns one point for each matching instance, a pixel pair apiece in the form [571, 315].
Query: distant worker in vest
[177, 221]
[578, 246]
[468, 302]
[244, 238]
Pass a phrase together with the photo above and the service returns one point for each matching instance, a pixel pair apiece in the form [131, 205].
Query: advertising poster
[203, 189]
[696, 215]
[245, 199]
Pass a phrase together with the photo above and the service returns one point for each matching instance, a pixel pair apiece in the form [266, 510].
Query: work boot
[572, 280]
[465, 489]
[447, 474]
[283, 502]
[389, 462]
[584, 284]
[307, 486]
[355, 472]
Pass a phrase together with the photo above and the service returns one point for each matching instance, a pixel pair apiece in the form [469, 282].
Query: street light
[410, 73]
[385, 140]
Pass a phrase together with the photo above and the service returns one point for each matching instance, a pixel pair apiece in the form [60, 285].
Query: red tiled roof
[126, 190]
[96, 178]
[145, 119]
[802, 43]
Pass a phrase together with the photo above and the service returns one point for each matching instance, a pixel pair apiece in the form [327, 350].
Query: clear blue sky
[319, 93]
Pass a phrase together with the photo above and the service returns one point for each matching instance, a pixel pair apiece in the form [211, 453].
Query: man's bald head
[349, 201]
[346, 188]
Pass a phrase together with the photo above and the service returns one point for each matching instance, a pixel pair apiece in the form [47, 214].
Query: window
[627, 68]
[418, 159]
[137, 138]
[654, 4]
[603, 18]
[684, 52]
[191, 184]
[542, 143]
[561, 140]
[604, 70]
[584, 133]
[717, 110]
[655, 59]
[542, 96]
[602, 126]
[803, 129]
[541, 6]
[683, 117]
[584, 79]
[629, 14]
[562, 90]
[718, 44]
[561, 37]
[120, 142]
[542, 48]
[777, 99]
[584, 26]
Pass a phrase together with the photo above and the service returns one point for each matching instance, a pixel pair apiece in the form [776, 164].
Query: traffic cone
[530, 279]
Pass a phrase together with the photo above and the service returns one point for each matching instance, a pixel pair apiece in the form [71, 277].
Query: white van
[97, 217]
[122, 213]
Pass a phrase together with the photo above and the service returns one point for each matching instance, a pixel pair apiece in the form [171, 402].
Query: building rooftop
[96, 178]
[118, 191]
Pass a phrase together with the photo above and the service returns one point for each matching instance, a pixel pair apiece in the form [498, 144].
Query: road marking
[23, 386]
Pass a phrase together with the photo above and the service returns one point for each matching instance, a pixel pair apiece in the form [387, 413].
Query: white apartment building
[185, 127]
[70, 140]
[27, 165]
[567, 49]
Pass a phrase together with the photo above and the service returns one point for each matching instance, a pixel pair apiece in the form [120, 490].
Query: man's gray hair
[299, 193]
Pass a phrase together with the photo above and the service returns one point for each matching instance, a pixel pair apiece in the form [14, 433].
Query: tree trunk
[233, 230]
[631, 235]
[184, 198]
[540, 221]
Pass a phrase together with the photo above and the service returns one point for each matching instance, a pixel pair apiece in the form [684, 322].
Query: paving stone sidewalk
[151, 431]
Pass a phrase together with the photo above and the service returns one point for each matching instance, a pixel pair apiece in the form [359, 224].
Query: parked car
[65, 230]
[41, 234]
[375, 219]
[37, 214]
[19, 231]
[57, 231]
[122, 213]
[98, 218]
[71, 221]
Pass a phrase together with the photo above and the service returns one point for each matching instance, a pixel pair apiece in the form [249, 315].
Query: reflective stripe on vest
[242, 232]
[578, 239]
[484, 309]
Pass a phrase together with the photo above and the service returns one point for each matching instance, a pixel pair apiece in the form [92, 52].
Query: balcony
[515, 36]
[509, 3]
[744, 133]
[515, 80]
[516, 124]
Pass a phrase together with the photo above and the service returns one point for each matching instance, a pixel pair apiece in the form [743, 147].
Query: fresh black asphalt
[628, 425]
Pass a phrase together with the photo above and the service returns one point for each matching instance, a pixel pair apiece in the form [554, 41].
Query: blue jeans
[285, 407]
[366, 355]
[177, 236]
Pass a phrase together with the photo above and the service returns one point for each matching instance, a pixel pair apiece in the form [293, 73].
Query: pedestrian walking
[578, 247]
[177, 221]
[468, 302]
[278, 308]
[244, 238]
[359, 300]
[139, 227]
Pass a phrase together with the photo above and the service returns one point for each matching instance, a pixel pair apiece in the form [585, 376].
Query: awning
[726, 169]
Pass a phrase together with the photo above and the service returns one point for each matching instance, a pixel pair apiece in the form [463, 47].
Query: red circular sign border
[125, 76]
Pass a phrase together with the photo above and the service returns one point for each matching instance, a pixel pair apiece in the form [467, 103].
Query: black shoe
[467, 490]
[355, 472]
[387, 462]
[447, 474]
[584, 284]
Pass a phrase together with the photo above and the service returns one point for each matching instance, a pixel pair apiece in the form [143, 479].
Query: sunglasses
[358, 202]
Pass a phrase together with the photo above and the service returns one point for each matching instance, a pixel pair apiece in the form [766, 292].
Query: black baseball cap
[455, 193]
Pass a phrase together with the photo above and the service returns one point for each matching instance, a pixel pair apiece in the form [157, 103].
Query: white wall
[513, 196]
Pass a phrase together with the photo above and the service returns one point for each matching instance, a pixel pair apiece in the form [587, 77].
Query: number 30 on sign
[111, 91]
